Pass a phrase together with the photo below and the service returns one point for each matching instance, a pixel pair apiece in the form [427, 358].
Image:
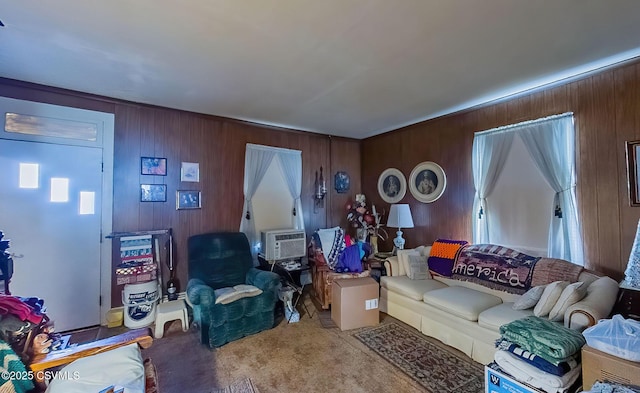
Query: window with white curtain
[272, 187]
[272, 201]
[519, 204]
[524, 174]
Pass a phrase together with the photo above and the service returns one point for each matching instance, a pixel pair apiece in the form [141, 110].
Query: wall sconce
[320, 189]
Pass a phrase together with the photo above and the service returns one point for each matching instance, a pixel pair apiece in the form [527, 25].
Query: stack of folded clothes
[540, 353]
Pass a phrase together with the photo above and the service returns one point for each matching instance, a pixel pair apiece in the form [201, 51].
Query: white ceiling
[343, 67]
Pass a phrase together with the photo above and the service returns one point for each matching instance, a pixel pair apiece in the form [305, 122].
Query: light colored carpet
[296, 357]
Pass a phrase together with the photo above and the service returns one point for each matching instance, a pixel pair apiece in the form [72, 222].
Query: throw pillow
[549, 298]
[529, 299]
[403, 258]
[231, 294]
[573, 293]
[443, 255]
[418, 268]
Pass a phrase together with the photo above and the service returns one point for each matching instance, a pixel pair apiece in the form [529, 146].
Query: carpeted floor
[312, 355]
[303, 356]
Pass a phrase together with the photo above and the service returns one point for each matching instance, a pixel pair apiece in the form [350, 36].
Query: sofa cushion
[405, 286]
[549, 298]
[460, 301]
[497, 316]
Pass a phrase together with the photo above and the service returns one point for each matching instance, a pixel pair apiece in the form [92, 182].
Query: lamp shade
[400, 216]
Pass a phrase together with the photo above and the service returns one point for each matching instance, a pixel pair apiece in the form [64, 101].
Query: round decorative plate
[427, 182]
[392, 185]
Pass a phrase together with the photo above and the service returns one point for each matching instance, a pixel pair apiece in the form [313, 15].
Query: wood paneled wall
[606, 109]
[218, 144]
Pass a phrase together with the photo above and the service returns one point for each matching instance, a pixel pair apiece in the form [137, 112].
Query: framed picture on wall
[633, 172]
[392, 185]
[153, 166]
[190, 171]
[188, 199]
[427, 182]
[153, 192]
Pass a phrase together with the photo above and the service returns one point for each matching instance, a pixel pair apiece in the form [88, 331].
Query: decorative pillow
[549, 298]
[121, 367]
[529, 299]
[403, 258]
[229, 294]
[496, 267]
[573, 293]
[443, 255]
[418, 268]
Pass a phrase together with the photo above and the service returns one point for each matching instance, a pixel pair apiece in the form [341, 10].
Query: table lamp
[400, 217]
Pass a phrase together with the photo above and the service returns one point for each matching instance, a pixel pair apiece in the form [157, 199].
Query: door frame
[106, 130]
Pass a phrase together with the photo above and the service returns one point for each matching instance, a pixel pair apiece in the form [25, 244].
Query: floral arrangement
[360, 217]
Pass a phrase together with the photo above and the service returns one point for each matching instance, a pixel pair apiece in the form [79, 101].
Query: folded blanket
[533, 376]
[332, 243]
[545, 338]
[543, 364]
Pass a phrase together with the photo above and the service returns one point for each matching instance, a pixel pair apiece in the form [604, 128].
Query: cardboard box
[497, 381]
[600, 366]
[354, 303]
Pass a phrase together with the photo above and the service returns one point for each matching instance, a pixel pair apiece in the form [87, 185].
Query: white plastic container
[139, 301]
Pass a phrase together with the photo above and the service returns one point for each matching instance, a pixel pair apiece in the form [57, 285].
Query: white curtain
[551, 144]
[256, 162]
[258, 158]
[291, 162]
[489, 153]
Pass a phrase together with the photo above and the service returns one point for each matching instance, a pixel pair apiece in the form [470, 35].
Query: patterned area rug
[433, 367]
[241, 386]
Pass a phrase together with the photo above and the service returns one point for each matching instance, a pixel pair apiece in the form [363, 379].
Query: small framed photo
[188, 199]
[392, 185]
[153, 166]
[427, 182]
[190, 171]
[153, 192]
[633, 172]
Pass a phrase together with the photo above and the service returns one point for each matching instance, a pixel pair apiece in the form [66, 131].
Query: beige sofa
[467, 315]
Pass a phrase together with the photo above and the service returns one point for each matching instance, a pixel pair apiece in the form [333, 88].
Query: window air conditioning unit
[282, 244]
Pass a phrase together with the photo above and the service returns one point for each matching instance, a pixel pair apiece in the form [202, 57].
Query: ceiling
[353, 68]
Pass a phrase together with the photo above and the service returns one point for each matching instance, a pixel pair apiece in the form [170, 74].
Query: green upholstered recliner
[219, 260]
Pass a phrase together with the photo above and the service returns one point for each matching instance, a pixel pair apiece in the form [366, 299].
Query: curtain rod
[524, 123]
[272, 148]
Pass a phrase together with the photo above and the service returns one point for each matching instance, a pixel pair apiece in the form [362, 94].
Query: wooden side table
[322, 277]
[628, 303]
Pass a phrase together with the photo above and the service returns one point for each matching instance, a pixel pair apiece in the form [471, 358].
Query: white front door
[59, 222]
[55, 223]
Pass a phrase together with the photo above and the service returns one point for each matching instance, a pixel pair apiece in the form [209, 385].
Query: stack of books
[136, 260]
